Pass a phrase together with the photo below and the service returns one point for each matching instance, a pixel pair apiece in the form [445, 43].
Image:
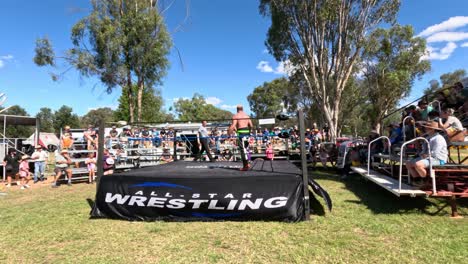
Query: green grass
[367, 225]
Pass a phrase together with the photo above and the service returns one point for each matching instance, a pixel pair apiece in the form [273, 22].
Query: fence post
[305, 177]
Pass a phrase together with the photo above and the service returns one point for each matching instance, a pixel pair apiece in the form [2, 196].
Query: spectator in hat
[11, 165]
[24, 173]
[40, 157]
[439, 154]
[62, 165]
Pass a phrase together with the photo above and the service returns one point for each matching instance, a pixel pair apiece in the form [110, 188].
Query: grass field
[367, 225]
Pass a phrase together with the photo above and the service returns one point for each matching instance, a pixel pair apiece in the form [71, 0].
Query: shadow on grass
[380, 201]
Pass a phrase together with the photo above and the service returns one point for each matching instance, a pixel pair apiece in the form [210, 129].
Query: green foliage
[152, 106]
[17, 131]
[323, 39]
[196, 109]
[392, 60]
[46, 119]
[447, 79]
[268, 99]
[65, 117]
[94, 117]
[117, 42]
[44, 53]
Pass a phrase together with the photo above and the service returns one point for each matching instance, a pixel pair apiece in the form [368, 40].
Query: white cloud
[265, 51]
[3, 59]
[283, 67]
[464, 45]
[224, 106]
[213, 100]
[442, 54]
[175, 99]
[449, 24]
[264, 66]
[447, 36]
[113, 107]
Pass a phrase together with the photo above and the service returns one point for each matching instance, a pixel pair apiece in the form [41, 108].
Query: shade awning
[17, 120]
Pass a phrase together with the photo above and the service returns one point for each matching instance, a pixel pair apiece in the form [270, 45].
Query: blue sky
[221, 46]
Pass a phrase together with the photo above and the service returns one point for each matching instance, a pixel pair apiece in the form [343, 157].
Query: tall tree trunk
[141, 87]
[131, 104]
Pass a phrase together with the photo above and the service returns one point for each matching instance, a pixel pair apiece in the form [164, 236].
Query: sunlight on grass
[367, 225]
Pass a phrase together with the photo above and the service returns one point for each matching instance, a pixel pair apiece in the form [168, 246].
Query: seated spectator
[113, 133]
[90, 137]
[424, 109]
[395, 133]
[66, 141]
[433, 115]
[62, 165]
[439, 154]
[452, 126]
[24, 173]
[166, 155]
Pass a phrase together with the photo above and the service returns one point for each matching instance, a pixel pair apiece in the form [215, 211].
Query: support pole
[100, 153]
[305, 177]
[5, 144]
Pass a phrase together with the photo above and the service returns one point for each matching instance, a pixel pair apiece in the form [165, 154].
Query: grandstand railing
[369, 150]
[431, 172]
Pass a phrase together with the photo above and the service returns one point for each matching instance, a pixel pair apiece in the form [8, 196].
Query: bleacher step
[389, 183]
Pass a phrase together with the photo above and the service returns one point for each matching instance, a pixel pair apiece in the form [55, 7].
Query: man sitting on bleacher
[439, 154]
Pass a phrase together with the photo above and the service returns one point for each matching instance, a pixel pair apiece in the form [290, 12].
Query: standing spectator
[24, 173]
[270, 154]
[11, 164]
[91, 164]
[203, 141]
[62, 165]
[40, 157]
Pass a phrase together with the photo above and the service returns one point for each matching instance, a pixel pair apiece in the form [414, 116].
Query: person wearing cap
[242, 124]
[66, 140]
[40, 157]
[24, 173]
[62, 164]
[439, 154]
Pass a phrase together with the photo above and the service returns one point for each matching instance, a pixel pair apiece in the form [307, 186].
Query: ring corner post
[305, 177]
[100, 153]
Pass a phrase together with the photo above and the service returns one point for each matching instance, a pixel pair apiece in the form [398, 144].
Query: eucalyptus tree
[324, 39]
[122, 42]
[392, 61]
[196, 109]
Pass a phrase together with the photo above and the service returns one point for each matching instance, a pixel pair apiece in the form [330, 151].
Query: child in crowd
[270, 154]
[323, 154]
[24, 173]
[91, 164]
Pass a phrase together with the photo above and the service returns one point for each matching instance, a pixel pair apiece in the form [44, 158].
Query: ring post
[100, 153]
[305, 177]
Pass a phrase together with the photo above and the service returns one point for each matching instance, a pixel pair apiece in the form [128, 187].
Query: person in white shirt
[439, 154]
[40, 157]
[204, 140]
[452, 126]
